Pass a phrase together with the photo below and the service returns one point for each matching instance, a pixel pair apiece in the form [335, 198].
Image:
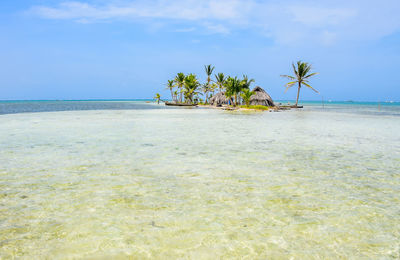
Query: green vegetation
[207, 87]
[171, 86]
[187, 89]
[220, 81]
[157, 97]
[246, 95]
[256, 107]
[190, 87]
[180, 81]
[233, 88]
[301, 72]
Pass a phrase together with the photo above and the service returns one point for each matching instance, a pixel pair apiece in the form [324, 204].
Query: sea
[120, 179]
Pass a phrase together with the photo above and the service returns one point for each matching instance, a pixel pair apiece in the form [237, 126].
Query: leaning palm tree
[171, 86]
[180, 81]
[157, 97]
[301, 76]
[220, 80]
[246, 95]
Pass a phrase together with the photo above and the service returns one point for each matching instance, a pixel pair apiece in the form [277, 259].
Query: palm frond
[288, 87]
[289, 77]
[310, 75]
[209, 69]
[290, 83]
[295, 70]
[310, 87]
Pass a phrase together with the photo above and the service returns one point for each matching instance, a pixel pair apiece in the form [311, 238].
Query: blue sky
[129, 49]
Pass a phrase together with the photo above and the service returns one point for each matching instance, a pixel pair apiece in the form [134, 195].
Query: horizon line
[149, 99]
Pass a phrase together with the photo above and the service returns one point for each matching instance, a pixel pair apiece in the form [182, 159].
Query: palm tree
[206, 88]
[213, 87]
[246, 83]
[171, 86]
[157, 97]
[301, 76]
[233, 87]
[246, 95]
[228, 95]
[220, 80]
[191, 85]
[180, 81]
[209, 70]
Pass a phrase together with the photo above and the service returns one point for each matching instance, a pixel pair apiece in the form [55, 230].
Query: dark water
[12, 107]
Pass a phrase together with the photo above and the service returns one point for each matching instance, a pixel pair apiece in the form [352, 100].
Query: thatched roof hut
[219, 99]
[261, 97]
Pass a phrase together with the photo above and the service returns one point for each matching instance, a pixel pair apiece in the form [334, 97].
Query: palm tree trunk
[298, 94]
[180, 99]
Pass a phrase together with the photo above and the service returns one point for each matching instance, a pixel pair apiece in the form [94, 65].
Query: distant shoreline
[149, 99]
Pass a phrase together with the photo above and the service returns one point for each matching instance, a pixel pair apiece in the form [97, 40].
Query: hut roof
[219, 98]
[261, 96]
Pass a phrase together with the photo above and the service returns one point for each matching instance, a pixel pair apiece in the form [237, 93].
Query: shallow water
[200, 183]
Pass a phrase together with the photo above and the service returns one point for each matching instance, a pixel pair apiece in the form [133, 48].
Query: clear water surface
[126, 179]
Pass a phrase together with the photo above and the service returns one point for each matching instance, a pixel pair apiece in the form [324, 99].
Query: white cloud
[286, 21]
[184, 30]
[217, 28]
[328, 38]
[184, 10]
[320, 16]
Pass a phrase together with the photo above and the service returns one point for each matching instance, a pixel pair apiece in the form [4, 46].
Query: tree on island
[180, 81]
[206, 88]
[245, 84]
[190, 89]
[209, 70]
[246, 95]
[191, 84]
[213, 87]
[171, 86]
[220, 80]
[301, 71]
[157, 97]
[233, 88]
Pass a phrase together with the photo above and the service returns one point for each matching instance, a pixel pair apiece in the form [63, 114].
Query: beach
[139, 180]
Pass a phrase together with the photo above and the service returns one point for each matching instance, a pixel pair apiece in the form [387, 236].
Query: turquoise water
[30, 106]
[142, 181]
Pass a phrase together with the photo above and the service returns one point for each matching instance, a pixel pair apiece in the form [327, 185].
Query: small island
[231, 93]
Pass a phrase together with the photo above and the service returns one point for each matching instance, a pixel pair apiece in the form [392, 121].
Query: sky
[128, 49]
